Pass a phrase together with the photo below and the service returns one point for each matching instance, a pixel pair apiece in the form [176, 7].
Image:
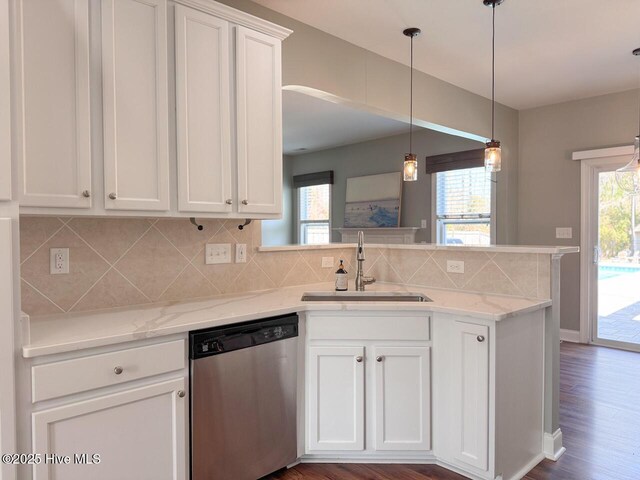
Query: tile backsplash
[116, 262]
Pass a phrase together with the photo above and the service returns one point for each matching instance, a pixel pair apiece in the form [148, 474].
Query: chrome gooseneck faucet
[361, 279]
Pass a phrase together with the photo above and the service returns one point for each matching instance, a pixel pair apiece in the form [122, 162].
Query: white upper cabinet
[135, 99]
[259, 122]
[203, 112]
[51, 65]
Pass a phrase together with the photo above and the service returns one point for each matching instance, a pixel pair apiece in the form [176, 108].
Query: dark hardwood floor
[599, 417]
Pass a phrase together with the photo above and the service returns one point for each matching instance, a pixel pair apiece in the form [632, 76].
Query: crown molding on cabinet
[238, 17]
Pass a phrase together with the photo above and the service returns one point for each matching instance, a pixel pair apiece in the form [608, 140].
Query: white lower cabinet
[336, 398]
[139, 434]
[366, 393]
[402, 402]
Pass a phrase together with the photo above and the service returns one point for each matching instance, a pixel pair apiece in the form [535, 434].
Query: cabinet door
[259, 122]
[140, 434]
[336, 398]
[203, 114]
[134, 72]
[52, 86]
[471, 393]
[402, 402]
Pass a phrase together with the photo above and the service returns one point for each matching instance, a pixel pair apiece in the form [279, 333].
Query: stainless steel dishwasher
[243, 399]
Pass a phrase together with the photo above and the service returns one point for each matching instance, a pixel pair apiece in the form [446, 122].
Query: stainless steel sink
[364, 297]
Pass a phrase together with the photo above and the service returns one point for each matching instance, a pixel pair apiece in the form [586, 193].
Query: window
[464, 207]
[314, 217]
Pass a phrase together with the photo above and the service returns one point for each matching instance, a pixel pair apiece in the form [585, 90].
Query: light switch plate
[327, 262]
[241, 253]
[58, 261]
[423, 223]
[455, 266]
[564, 232]
[217, 253]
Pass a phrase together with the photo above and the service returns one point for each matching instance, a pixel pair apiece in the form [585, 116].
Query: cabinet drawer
[57, 379]
[368, 327]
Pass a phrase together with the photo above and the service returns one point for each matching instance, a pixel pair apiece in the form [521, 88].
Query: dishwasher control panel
[219, 340]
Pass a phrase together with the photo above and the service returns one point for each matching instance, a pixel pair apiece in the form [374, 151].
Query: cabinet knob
[480, 338]
[86, 194]
[245, 202]
[229, 201]
[118, 370]
[181, 393]
[379, 358]
[359, 359]
[113, 196]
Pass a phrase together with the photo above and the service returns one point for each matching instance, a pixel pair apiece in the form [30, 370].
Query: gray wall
[316, 59]
[382, 156]
[549, 181]
[280, 232]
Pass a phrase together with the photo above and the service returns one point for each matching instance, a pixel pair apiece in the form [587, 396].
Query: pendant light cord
[493, 74]
[411, 101]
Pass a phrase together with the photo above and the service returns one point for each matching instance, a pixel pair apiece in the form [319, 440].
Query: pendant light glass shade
[493, 156]
[410, 166]
[493, 152]
[628, 177]
[410, 169]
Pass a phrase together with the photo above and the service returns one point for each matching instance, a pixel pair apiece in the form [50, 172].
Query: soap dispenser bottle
[342, 282]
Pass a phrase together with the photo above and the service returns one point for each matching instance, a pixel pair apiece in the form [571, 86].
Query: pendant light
[493, 152]
[628, 177]
[410, 160]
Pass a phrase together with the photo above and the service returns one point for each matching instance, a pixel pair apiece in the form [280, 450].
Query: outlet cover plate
[564, 232]
[58, 261]
[455, 266]
[217, 253]
[327, 262]
[241, 253]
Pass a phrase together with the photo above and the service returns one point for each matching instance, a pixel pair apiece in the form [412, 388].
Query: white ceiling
[316, 124]
[547, 51]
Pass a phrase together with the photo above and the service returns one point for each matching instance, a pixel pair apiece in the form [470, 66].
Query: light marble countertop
[75, 331]
[549, 250]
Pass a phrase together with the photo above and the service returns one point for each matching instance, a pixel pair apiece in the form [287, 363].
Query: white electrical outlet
[564, 232]
[217, 253]
[455, 266]
[423, 223]
[241, 253]
[327, 262]
[58, 261]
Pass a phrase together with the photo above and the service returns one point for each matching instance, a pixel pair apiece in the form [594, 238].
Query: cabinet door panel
[336, 398]
[53, 107]
[259, 122]
[140, 434]
[134, 63]
[203, 114]
[471, 423]
[402, 401]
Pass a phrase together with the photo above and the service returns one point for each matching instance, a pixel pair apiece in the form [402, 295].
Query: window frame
[300, 223]
[436, 227]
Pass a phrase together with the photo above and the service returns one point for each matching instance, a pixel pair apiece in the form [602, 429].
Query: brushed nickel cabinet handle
[86, 194]
[181, 393]
[113, 196]
[118, 370]
[229, 201]
[379, 358]
[245, 202]
[480, 338]
[359, 359]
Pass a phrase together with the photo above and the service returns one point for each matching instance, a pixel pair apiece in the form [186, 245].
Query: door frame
[592, 162]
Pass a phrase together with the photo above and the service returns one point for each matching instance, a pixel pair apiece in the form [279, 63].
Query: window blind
[311, 179]
[455, 161]
[463, 194]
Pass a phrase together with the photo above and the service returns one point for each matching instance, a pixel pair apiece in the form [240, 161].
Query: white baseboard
[572, 336]
[553, 448]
